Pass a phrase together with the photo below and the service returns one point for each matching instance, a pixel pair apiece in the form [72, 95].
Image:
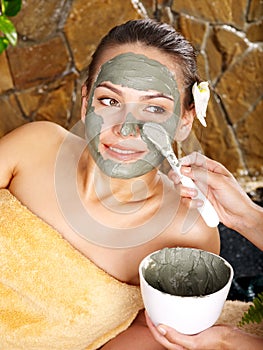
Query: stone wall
[40, 78]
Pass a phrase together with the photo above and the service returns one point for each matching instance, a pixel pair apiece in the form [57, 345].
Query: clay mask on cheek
[140, 73]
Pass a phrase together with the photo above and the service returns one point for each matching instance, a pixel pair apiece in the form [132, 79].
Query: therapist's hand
[233, 206]
[218, 337]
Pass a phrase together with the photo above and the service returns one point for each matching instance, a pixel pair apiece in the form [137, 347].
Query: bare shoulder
[31, 132]
[32, 138]
[26, 144]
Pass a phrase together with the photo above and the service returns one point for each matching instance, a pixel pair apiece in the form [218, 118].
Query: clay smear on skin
[140, 73]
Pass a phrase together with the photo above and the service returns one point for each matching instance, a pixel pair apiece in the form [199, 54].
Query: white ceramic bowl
[200, 280]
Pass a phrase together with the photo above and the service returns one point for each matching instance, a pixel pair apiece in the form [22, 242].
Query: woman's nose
[130, 127]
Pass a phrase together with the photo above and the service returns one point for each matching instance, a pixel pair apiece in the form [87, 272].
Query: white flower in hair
[201, 95]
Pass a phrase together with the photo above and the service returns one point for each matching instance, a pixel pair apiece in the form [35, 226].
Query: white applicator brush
[159, 137]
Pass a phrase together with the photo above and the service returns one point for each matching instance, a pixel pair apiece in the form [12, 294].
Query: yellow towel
[232, 314]
[51, 296]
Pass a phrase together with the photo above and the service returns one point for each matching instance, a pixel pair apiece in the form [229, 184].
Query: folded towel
[51, 296]
[232, 314]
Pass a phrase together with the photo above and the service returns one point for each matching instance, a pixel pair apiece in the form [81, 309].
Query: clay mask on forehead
[141, 73]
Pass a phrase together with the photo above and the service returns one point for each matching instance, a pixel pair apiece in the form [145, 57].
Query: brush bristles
[157, 135]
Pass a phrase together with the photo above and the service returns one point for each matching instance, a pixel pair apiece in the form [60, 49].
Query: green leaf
[255, 312]
[8, 29]
[3, 44]
[11, 7]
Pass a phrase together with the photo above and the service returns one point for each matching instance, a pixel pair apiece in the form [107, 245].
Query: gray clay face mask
[143, 74]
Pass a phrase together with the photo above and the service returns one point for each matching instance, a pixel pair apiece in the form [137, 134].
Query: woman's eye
[111, 102]
[155, 109]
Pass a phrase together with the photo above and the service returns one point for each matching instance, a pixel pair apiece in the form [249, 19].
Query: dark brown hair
[153, 34]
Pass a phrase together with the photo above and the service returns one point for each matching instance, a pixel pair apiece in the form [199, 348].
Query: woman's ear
[84, 102]
[185, 125]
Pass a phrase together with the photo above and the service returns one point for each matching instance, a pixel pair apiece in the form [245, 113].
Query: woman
[141, 71]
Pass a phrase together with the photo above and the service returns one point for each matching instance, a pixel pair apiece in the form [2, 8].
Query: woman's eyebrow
[110, 87]
[157, 95]
[143, 98]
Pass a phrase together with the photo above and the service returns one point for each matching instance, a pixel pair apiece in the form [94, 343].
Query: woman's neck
[135, 204]
[95, 185]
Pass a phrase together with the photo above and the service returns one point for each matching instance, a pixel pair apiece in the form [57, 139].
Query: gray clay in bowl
[186, 272]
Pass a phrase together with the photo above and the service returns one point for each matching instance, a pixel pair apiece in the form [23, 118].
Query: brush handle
[159, 137]
[207, 211]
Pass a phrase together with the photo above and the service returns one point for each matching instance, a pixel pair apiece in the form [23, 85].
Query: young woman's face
[130, 90]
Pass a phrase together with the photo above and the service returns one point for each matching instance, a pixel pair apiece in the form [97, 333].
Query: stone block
[231, 44]
[201, 64]
[240, 87]
[224, 45]
[90, 20]
[255, 32]
[6, 82]
[218, 11]
[31, 65]
[255, 10]
[39, 19]
[249, 132]
[218, 140]
[214, 57]
[193, 30]
[10, 114]
[76, 109]
[30, 100]
[57, 104]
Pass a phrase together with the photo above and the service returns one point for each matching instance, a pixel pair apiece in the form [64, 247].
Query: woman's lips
[122, 154]
[122, 151]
